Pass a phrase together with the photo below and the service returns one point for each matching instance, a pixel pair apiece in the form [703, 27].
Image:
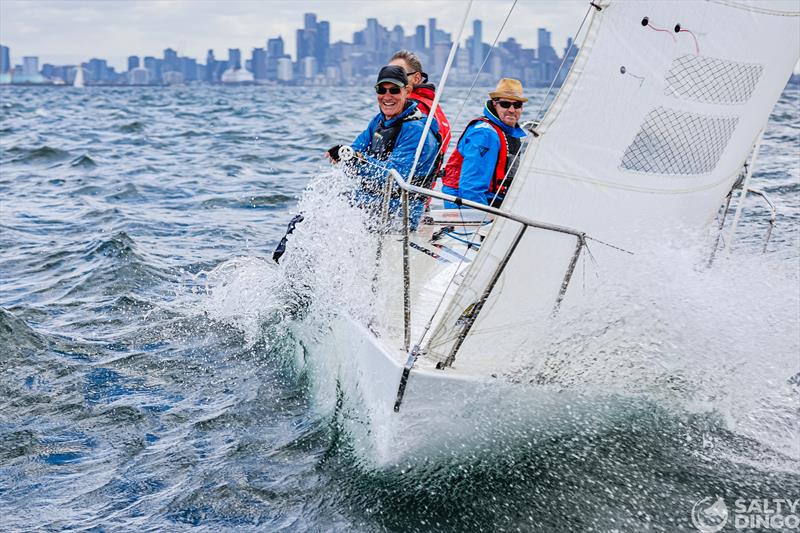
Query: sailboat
[647, 136]
[78, 82]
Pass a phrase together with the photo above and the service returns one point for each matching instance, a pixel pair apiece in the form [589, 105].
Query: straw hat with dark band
[510, 89]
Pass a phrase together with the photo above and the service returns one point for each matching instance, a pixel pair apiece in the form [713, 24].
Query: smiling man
[390, 142]
[487, 154]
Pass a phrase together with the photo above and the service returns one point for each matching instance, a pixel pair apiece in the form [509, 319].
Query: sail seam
[611, 185]
[753, 9]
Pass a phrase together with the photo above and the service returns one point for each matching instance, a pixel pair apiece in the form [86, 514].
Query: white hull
[445, 413]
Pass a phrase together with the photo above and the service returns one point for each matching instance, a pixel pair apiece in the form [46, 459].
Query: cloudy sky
[68, 31]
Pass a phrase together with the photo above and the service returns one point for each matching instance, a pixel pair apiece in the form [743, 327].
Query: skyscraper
[153, 65]
[476, 54]
[133, 62]
[171, 62]
[275, 47]
[30, 66]
[546, 52]
[259, 64]
[211, 66]
[431, 34]
[5, 59]
[323, 42]
[234, 58]
[419, 38]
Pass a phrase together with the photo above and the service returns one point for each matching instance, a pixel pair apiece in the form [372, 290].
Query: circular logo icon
[709, 515]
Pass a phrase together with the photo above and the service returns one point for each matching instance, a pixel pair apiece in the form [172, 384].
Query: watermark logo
[711, 514]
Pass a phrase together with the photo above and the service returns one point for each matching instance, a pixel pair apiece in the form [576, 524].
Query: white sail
[647, 134]
[78, 77]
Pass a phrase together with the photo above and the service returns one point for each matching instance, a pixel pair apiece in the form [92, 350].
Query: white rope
[439, 92]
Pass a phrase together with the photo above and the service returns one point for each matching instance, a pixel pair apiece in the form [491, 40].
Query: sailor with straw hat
[510, 89]
[487, 154]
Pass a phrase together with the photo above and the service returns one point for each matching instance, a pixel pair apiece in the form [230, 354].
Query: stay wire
[538, 117]
[480, 71]
[538, 113]
[461, 215]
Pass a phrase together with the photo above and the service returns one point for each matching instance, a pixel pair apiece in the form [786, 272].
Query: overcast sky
[69, 31]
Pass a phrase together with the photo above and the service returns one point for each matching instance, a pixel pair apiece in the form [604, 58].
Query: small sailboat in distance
[78, 82]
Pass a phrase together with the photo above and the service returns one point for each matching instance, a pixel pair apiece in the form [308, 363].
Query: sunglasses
[505, 104]
[390, 90]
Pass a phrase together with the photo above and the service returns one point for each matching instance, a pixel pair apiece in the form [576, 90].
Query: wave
[41, 154]
[132, 127]
[17, 337]
[83, 161]
[270, 201]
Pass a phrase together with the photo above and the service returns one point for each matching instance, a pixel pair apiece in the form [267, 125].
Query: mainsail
[648, 133]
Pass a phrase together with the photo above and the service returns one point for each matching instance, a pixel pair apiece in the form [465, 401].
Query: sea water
[156, 371]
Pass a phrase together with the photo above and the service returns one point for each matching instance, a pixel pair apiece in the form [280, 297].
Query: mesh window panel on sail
[711, 80]
[677, 142]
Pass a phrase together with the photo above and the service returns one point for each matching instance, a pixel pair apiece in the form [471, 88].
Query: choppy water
[133, 399]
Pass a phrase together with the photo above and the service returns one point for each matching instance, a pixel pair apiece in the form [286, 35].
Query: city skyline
[55, 30]
[319, 60]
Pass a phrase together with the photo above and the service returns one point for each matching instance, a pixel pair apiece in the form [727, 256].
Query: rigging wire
[460, 213]
[477, 75]
[438, 94]
[538, 114]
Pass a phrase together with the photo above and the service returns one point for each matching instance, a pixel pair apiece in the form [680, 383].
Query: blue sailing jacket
[480, 147]
[374, 173]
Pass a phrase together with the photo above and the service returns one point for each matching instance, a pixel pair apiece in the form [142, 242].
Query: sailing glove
[333, 152]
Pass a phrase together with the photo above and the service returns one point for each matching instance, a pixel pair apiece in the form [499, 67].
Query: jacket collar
[409, 109]
[514, 131]
[425, 90]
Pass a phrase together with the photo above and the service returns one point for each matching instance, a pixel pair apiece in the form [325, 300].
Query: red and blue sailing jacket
[483, 155]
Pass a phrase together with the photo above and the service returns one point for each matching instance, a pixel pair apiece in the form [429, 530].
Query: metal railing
[471, 316]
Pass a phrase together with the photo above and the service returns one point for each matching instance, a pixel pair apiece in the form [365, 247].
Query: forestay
[648, 133]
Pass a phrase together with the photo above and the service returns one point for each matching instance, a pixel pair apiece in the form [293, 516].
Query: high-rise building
[310, 67]
[275, 47]
[188, 68]
[310, 21]
[171, 62]
[476, 54]
[30, 66]
[5, 59]
[133, 62]
[371, 34]
[419, 39]
[431, 33]
[234, 58]
[97, 70]
[285, 70]
[139, 76]
[153, 65]
[259, 64]
[300, 44]
[545, 51]
[211, 67]
[323, 42]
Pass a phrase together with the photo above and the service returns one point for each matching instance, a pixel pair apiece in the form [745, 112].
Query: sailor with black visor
[390, 142]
